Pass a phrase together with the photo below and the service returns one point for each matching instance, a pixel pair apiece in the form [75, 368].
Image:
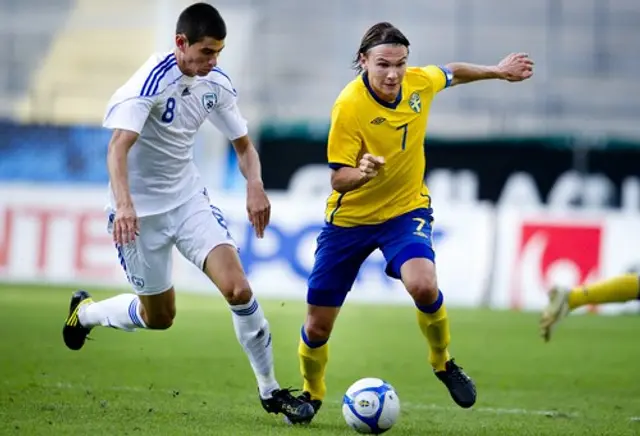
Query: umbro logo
[378, 121]
[186, 92]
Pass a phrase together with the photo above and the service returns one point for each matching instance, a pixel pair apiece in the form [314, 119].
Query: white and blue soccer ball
[371, 406]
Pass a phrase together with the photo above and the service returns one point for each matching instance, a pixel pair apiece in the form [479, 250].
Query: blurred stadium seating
[66, 57]
[91, 54]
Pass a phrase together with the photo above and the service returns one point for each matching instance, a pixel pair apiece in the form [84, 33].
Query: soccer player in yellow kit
[379, 199]
[562, 301]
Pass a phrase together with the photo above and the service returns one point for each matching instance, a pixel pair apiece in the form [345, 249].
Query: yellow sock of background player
[616, 290]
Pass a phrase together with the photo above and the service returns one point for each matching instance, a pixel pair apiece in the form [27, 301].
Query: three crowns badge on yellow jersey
[414, 102]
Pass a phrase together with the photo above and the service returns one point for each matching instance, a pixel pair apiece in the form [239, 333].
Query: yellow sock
[616, 290]
[435, 327]
[313, 362]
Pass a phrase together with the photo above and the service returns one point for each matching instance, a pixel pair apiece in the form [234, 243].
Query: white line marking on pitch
[406, 405]
[491, 410]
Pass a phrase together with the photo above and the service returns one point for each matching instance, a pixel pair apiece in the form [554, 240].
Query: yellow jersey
[363, 123]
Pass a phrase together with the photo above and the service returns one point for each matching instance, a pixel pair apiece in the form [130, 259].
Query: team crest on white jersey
[414, 102]
[209, 100]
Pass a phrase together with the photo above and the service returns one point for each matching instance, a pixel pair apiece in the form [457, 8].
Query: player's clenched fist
[370, 165]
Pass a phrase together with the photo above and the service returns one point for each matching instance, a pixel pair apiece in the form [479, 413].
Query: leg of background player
[561, 301]
[616, 290]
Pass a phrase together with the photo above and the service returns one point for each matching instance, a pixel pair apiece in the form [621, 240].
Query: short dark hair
[201, 20]
[380, 33]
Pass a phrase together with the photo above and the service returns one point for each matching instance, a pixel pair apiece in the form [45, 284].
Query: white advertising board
[58, 235]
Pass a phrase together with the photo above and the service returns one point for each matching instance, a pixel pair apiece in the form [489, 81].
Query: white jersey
[167, 108]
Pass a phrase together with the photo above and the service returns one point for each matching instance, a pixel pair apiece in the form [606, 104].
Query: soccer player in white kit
[158, 200]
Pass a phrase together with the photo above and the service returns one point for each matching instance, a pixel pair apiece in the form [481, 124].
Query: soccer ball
[371, 406]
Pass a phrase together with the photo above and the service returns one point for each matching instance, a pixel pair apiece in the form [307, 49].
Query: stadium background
[533, 183]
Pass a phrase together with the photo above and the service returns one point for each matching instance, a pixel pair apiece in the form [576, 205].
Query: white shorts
[194, 228]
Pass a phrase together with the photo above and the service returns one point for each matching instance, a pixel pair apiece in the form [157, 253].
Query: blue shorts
[342, 250]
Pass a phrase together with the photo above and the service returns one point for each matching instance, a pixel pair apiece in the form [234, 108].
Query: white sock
[121, 312]
[252, 331]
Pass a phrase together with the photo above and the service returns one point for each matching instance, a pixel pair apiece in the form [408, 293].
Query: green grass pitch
[195, 380]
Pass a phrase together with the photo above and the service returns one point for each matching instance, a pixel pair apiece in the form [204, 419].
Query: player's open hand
[125, 225]
[258, 207]
[370, 165]
[516, 67]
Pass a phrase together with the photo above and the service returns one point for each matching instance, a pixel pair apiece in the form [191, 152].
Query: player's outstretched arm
[515, 67]
[125, 224]
[258, 206]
